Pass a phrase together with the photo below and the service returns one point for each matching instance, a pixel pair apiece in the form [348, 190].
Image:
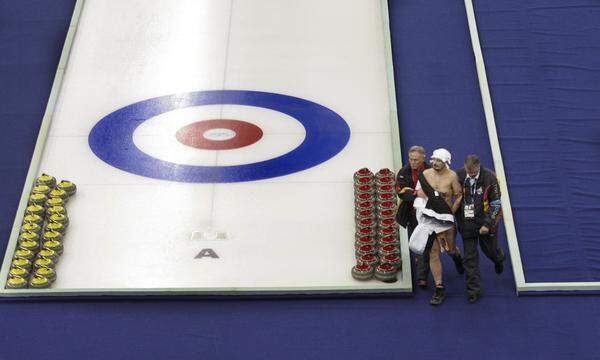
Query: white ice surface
[295, 231]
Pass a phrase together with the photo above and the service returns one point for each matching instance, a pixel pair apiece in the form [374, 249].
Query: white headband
[442, 154]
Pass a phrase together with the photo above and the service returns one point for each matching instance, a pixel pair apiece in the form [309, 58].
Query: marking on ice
[207, 253]
[219, 134]
[209, 234]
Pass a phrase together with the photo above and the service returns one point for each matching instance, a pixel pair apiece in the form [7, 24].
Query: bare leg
[434, 262]
[448, 241]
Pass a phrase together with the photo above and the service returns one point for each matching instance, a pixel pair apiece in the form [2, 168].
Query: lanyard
[472, 189]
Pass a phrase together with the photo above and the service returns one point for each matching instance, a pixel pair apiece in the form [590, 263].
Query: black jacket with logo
[486, 200]
[404, 188]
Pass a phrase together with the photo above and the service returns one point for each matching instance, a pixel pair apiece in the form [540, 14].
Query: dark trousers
[489, 246]
[422, 268]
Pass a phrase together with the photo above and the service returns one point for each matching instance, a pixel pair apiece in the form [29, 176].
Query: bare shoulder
[454, 179]
[429, 174]
[449, 175]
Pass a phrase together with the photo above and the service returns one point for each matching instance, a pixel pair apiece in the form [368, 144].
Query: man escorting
[478, 219]
[406, 182]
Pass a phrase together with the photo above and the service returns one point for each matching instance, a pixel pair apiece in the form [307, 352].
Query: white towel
[426, 226]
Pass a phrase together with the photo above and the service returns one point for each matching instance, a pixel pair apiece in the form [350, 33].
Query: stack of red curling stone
[376, 239]
[365, 243]
[387, 228]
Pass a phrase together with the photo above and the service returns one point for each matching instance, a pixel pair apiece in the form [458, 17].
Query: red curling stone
[386, 232]
[366, 223]
[389, 249]
[364, 232]
[364, 197]
[389, 240]
[365, 205]
[362, 272]
[363, 181]
[392, 259]
[364, 172]
[365, 214]
[386, 197]
[385, 189]
[384, 181]
[385, 172]
[386, 205]
[386, 273]
[369, 259]
[366, 249]
[365, 240]
[386, 214]
[389, 222]
[364, 189]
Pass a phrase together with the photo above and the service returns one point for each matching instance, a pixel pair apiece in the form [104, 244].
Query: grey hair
[417, 148]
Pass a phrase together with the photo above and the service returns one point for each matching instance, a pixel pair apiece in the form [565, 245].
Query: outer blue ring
[327, 134]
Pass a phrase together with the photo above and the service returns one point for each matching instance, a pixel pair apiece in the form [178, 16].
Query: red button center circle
[244, 132]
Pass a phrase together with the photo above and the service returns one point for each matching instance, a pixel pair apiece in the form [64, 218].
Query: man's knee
[470, 245]
[489, 245]
[434, 255]
[434, 252]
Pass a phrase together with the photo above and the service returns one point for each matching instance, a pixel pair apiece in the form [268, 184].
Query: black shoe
[438, 296]
[458, 262]
[499, 267]
[474, 297]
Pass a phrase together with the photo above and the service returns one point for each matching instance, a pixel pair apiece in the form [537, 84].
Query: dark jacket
[405, 187]
[486, 200]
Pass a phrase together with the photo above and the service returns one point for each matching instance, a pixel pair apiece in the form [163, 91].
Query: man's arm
[405, 192]
[494, 210]
[457, 193]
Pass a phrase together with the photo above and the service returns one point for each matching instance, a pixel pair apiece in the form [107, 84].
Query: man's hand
[421, 193]
[457, 193]
[484, 230]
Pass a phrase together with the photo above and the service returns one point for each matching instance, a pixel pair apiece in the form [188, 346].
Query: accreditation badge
[469, 211]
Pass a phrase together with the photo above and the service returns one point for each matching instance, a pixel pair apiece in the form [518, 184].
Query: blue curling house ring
[327, 134]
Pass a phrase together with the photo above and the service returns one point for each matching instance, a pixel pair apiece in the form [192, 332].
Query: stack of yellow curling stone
[40, 242]
[376, 240]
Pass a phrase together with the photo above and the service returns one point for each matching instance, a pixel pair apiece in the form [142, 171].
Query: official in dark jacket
[405, 185]
[478, 219]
